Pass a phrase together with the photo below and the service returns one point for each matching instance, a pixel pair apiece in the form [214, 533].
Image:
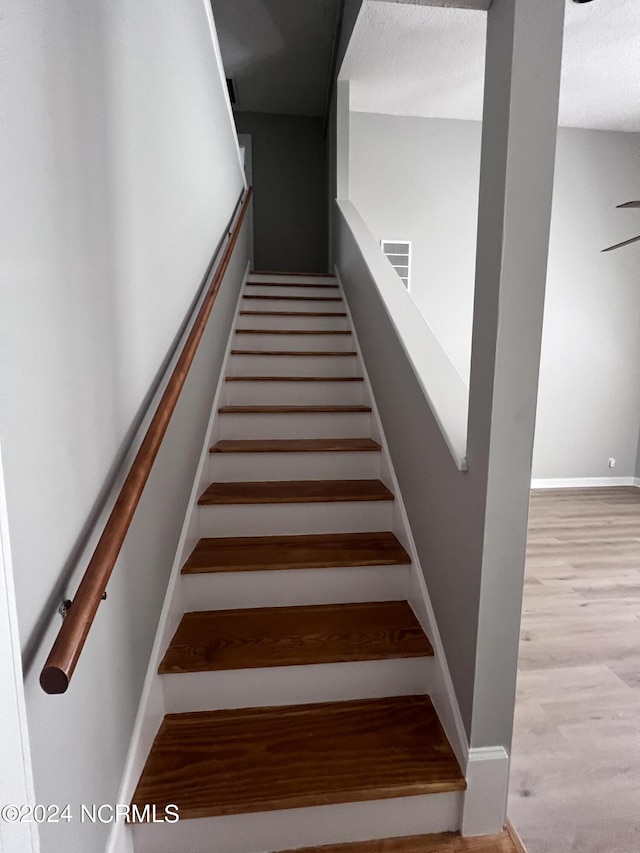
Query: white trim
[152, 708]
[343, 148]
[584, 482]
[16, 777]
[443, 693]
[485, 802]
[245, 141]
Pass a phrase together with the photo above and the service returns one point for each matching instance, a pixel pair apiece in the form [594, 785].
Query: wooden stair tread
[215, 640]
[295, 445]
[310, 551]
[290, 284]
[293, 298]
[279, 272]
[294, 379]
[257, 759]
[441, 842]
[298, 410]
[296, 353]
[291, 272]
[293, 332]
[294, 313]
[294, 491]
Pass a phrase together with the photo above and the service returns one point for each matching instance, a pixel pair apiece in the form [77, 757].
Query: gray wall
[445, 506]
[290, 183]
[119, 175]
[417, 179]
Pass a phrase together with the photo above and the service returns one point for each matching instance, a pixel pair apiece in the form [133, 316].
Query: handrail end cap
[53, 680]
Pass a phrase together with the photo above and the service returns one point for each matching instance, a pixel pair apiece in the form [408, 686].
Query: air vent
[399, 254]
[232, 90]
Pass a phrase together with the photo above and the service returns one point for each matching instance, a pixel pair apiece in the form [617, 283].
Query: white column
[342, 139]
[16, 777]
[524, 48]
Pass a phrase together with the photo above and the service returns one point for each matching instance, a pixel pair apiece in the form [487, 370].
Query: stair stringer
[442, 692]
[486, 770]
[152, 706]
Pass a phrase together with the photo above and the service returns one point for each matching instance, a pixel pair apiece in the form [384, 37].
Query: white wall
[120, 171]
[417, 179]
[589, 404]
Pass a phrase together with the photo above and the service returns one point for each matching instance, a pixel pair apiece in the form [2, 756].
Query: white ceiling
[278, 52]
[424, 61]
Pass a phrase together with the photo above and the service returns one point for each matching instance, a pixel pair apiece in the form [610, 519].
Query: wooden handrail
[62, 660]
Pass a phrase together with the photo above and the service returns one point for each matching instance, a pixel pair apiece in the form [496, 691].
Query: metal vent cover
[399, 254]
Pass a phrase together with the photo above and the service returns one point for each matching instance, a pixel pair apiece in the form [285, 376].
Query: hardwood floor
[575, 771]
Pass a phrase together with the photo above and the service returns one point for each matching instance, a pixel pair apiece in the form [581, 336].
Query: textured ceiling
[278, 52]
[417, 60]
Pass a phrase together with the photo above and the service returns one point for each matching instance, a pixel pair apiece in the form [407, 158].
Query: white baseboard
[152, 708]
[442, 691]
[485, 802]
[585, 482]
[120, 838]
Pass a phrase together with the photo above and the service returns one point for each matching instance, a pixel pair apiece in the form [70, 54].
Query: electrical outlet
[612, 462]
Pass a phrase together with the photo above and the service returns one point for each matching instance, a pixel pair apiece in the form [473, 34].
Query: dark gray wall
[290, 191]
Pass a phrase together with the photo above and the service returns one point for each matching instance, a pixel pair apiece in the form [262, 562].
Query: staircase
[297, 682]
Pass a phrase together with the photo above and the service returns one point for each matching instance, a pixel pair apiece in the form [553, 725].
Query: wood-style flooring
[575, 771]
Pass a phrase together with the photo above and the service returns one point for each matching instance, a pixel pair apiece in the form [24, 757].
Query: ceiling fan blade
[620, 245]
[629, 204]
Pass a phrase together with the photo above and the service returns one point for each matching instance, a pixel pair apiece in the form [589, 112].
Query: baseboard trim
[120, 838]
[585, 482]
[442, 691]
[485, 801]
[152, 706]
[515, 838]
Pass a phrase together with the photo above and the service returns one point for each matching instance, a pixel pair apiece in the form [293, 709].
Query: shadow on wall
[290, 183]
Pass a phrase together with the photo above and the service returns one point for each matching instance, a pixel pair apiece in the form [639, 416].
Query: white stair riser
[294, 518]
[228, 467]
[259, 832]
[292, 279]
[305, 304]
[296, 685]
[306, 343]
[291, 587]
[275, 393]
[278, 321]
[286, 290]
[294, 365]
[308, 425]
